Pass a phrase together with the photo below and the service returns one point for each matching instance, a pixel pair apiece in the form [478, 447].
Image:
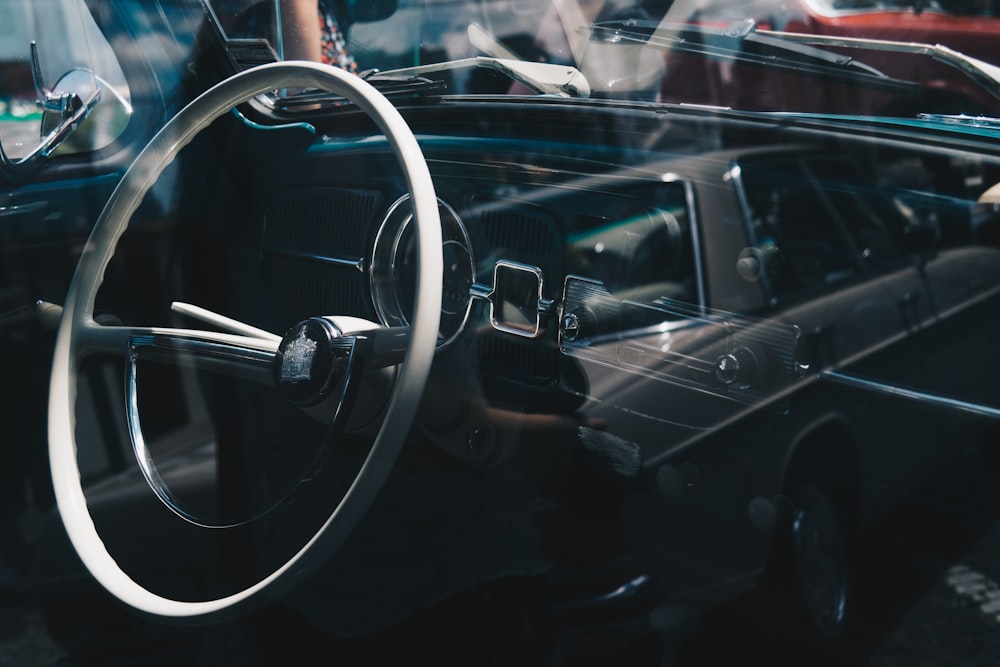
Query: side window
[643, 250]
[73, 56]
[869, 214]
[802, 224]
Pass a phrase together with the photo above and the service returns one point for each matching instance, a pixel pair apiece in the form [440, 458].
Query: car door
[897, 299]
[842, 257]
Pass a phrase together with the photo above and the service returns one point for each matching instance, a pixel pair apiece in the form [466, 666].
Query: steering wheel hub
[313, 362]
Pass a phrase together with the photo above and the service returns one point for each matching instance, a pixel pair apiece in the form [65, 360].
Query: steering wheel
[246, 352]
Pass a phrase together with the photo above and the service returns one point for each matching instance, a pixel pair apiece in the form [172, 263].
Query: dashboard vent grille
[307, 289]
[521, 231]
[320, 220]
[314, 242]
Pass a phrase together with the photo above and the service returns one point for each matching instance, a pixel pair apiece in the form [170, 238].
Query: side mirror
[65, 108]
[104, 122]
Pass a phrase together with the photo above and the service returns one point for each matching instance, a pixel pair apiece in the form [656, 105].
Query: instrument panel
[510, 240]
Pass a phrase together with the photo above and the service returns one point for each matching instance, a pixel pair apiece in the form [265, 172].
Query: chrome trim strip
[481, 292]
[542, 307]
[933, 400]
[205, 350]
[694, 227]
[357, 263]
[385, 297]
[209, 352]
[21, 209]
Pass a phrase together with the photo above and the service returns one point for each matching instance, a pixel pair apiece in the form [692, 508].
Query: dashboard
[651, 288]
[514, 228]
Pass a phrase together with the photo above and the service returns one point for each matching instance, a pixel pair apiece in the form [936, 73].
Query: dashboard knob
[741, 368]
[577, 325]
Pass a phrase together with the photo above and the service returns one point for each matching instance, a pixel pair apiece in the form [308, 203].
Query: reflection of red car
[966, 26]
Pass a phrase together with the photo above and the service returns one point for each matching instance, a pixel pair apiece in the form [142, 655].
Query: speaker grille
[320, 220]
[313, 247]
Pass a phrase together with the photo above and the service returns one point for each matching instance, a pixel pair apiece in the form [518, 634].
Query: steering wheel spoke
[93, 338]
[240, 357]
[385, 346]
[245, 357]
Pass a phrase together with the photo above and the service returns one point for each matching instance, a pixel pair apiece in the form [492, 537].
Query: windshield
[500, 332]
[879, 59]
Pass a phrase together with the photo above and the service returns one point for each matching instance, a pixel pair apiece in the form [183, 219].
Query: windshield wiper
[799, 52]
[544, 78]
[311, 99]
[983, 73]
[742, 42]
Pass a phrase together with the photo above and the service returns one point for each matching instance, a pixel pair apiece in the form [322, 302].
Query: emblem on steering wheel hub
[312, 361]
[296, 363]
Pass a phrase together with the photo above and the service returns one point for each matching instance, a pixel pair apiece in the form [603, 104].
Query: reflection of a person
[559, 37]
[316, 30]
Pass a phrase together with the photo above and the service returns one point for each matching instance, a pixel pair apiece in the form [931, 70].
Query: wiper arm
[743, 42]
[402, 85]
[307, 100]
[544, 78]
[796, 51]
[983, 73]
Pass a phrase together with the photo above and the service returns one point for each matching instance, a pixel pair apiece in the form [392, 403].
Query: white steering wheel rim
[79, 307]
